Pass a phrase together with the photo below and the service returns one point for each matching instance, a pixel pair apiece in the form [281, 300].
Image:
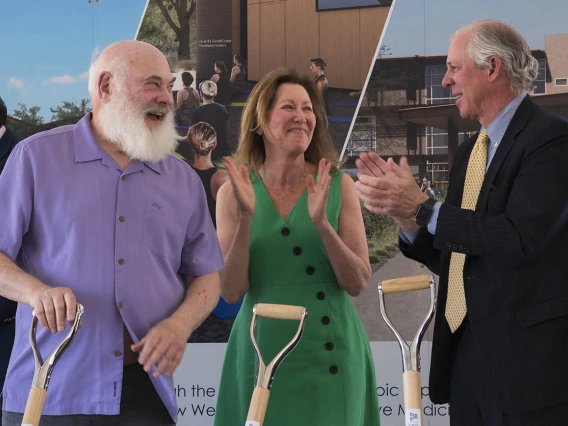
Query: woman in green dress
[291, 232]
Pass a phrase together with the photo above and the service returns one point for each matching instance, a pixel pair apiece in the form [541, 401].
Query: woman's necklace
[303, 180]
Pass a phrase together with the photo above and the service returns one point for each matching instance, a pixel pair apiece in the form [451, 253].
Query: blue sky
[424, 27]
[47, 46]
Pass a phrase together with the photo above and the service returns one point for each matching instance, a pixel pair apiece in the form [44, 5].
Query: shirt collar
[498, 127]
[2, 131]
[87, 148]
[84, 143]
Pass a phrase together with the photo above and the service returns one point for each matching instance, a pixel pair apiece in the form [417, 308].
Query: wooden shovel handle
[399, 285]
[412, 397]
[257, 408]
[286, 312]
[34, 406]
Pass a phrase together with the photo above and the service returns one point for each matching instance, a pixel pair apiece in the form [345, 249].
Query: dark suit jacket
[7, 144]
[515, 274]
[7, 308]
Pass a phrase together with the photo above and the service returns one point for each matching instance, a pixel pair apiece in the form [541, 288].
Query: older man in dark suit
[498, 241]
[7, 307]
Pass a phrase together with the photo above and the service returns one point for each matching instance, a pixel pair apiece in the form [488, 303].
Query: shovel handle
[412, 398]
[286, 312]
[34, 407]
[399, 285]
[257, 408]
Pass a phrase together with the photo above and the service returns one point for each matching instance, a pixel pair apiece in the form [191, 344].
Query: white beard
[122, 121]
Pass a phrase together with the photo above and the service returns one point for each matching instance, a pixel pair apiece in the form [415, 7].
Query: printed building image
[289, 33]
[406, 111]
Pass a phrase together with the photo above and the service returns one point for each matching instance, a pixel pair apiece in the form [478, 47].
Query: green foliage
[379, 227]
[371, 244]
[373, 258]
[391, 248]
[381, 252]
[70, 110]
[29, 122]
[29, 116]
[164, 31]
[156, 31]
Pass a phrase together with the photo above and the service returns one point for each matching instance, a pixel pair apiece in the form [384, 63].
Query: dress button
[120, 305]
[285, 231]
[123, 177]
[117, 353]
[333, 369]
[325, 320]
[121, 261]
[329, 346]
[310, 270]
[297, 250]
[121, 218]
[320, 295]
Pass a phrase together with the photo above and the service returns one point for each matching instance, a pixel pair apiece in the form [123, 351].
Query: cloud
[60, 79]
[84, 76]
[16, 83]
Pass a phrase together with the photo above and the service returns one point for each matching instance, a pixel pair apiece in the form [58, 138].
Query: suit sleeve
[536, 208]
[422, 250]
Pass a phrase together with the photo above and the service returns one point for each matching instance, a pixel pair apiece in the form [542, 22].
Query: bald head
[124, 58]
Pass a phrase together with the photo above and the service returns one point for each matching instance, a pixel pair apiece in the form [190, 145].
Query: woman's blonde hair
[202, 138]
[251, 151]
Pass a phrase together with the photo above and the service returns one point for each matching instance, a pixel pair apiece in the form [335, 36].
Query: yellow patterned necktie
[455, 303]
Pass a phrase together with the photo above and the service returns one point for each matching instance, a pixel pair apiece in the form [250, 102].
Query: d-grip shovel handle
[42, 373]
[399, 285]
[261, 392]
[286, 312]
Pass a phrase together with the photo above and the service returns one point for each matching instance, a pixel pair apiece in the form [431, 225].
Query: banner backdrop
[197, 380]
[214, 36]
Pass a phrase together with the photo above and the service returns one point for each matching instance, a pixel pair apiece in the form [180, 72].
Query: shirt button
[285, 231]
[297, 250]
[333, 369]
[123, 177]
[325, 320]
[329, 346]
[320, 295]
[121, 261]
[310, 270]
[120, 305]
[117, 353]
[121, 218]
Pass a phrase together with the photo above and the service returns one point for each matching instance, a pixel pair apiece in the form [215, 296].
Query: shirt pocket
[163, 231]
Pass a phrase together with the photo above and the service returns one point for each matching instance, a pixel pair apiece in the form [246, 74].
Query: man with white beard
[105, 216]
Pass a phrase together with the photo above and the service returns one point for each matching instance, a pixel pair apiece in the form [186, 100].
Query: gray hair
[495, 38]
[116, 65]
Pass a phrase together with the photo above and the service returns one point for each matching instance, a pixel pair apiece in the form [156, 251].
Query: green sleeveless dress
[329, 378]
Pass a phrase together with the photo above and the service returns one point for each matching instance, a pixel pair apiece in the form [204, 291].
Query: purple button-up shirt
[121, 240]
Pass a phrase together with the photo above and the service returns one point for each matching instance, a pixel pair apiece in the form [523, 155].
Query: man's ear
[104, 86]
[495, 68]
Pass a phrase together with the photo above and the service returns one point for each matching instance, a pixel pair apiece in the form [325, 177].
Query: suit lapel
[517, 124]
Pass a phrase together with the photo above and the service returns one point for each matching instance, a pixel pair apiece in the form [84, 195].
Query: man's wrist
[424, 212]
[407, 225]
